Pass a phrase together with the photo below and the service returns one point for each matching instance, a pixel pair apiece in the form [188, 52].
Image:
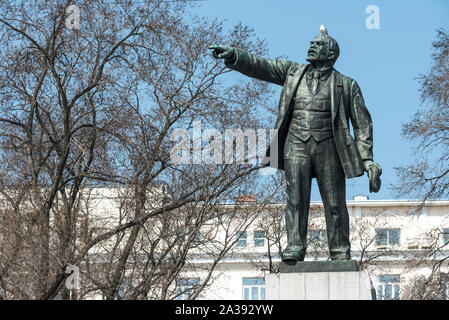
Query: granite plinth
[318, 266]
[346, 285]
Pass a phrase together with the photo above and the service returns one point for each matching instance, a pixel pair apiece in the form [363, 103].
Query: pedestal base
[321, 285]
[318, 266]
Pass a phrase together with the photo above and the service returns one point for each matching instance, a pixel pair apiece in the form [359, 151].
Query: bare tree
[94, 107]
[426, 287]
[428, 176]
[428, 268]
[186, 242]
[365, 240]
[362, 231]
[272, 223]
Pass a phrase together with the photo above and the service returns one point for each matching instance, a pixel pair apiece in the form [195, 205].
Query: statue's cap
[333, 44]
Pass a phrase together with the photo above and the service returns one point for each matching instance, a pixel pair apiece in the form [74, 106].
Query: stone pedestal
[319, 280]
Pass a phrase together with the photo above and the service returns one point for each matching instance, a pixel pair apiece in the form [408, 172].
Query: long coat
[346, 103]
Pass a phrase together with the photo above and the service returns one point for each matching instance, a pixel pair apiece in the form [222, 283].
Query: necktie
[315, 81]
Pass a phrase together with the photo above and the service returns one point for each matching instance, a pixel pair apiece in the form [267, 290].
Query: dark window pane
[124, 290]
[254, 293]
[197, 237]
[388, 287]
[183, 282]
[388, 237]
[259, 242]
[241, 243]
[389, 278]
[446, 292]
[379, 293]
[241, 235]
[185, 287]
[253, 281]
[259, 238]
[393, 236]
[180, 236]
[388, 292]
[381, 237]
[259, 234]
[445, 236]
[396, 292]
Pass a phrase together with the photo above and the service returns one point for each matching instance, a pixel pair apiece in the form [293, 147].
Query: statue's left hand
[374, 172]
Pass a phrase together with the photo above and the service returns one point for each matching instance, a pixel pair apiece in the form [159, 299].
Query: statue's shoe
[292, 256]
[340, 257]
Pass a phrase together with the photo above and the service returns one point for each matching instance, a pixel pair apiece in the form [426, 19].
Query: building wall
[395, 214]
[367, 215]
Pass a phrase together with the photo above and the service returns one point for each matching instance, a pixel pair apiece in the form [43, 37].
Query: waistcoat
[312, 112]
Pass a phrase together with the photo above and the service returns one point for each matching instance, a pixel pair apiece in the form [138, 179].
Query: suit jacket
[346, 104]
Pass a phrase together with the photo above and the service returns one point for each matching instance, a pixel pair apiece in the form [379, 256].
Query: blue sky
[385, 62]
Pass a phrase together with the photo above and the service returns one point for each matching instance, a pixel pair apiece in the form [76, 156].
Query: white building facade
[396, 241]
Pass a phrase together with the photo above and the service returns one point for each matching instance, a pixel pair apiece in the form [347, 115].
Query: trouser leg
[332, 184]
[298, 179]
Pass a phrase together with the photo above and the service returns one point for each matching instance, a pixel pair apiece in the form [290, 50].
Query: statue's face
[318, 50]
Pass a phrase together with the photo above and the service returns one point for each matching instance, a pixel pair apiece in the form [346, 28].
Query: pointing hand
[220, 52]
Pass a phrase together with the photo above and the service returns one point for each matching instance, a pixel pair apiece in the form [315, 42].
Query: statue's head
[323, 49]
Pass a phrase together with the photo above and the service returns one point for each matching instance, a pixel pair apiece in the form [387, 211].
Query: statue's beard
[314, 58]
[318, 60]
[311, 59]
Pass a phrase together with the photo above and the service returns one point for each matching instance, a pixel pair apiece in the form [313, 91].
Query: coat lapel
[291, 88]
[337, 84]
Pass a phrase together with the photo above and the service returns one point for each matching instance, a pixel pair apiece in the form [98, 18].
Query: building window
[185, 287]
[197, 237]
[445, 236]
[125, 289]
[446, 292]
[444, 286]
[259, 238]
[318, 237]
[387, 237]
[181, 236]
[388, 287]
[241, 236]
[217, 218]
[253, 289]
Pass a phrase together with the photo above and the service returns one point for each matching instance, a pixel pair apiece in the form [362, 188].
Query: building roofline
[364, 203]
